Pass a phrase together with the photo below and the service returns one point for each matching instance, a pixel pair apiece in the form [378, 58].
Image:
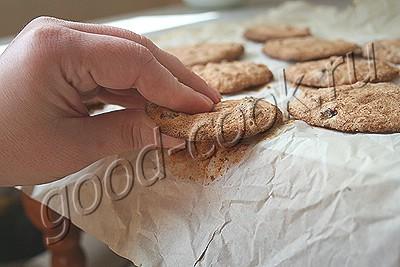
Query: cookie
[186, 165]
[307, 48]
[204, 53]
[265, 32]
[230, 120]
[362, 107]
[231, 77]
[320, 73]
[388, 50]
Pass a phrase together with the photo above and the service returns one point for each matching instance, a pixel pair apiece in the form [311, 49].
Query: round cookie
[231, 77]
[362, 107]
[229, 120]
[207, 161]
[264, 32]
[307, 48]
[319, 73]
[204, 53]
[388, 50]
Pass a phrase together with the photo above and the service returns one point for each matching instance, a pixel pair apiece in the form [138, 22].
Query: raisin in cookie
[362, 107]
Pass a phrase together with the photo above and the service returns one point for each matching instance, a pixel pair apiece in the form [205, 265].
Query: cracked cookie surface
[229, 120]
[320, 73]
[388, 50]
[231, 77]
[367, 108]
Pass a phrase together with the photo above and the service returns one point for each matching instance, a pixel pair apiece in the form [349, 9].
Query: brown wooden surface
[65, 251]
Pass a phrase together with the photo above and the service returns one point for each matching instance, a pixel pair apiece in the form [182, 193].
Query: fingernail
[216, 95]
[210, 103]
[219, 96]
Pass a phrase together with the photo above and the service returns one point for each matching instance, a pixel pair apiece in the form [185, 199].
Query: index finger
[173, 64]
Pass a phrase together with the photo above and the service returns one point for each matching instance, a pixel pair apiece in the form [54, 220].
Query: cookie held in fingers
[362, 107]
[265, 32]
[203, 53]
[340, 71]
[388, 50]
[230, 120]
[190, 163]
[232, 77]
[307, 48]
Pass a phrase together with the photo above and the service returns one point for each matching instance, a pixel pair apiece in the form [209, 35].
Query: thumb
[114, 133]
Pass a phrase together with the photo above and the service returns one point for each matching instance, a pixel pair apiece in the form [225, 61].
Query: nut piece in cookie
[231, 77]
[265, 32]
[362, 107]
[307, 48]
[230, 121]
[388, 50]
[340, 71]
[204, 53]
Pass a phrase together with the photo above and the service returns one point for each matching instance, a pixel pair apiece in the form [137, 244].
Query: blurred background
[14, 14]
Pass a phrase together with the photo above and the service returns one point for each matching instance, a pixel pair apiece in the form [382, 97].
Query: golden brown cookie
[320, 73]
[204, 53]
[187, 165]
[230, 120]
[231, 77]
[388, 50]
[307, 48]
[367, 108]
[265, 32]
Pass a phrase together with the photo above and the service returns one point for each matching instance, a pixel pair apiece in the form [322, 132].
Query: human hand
[46, 130]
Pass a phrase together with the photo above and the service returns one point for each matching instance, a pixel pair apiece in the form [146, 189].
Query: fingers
[175, 96]
[118, 63]
[111, 133]
[169, 61]
[173, 64]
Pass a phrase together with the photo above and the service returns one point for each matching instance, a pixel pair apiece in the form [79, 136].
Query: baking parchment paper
[306, 197]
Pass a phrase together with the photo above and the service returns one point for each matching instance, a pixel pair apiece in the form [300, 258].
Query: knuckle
[146, 42]
[46, 39]
[42, 20]
[145, 55]
[46, 33]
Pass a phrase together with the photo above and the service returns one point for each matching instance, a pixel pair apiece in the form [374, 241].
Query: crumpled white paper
[306, 197]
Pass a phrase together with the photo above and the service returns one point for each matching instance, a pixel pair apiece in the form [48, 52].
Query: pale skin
[46, 132]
